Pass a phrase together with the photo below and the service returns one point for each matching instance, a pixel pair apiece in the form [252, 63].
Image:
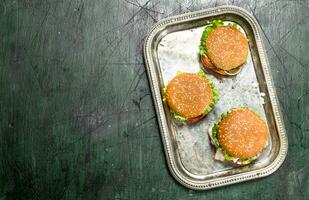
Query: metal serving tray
[171, 46]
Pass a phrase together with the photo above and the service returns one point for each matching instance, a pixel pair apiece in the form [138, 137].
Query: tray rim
[166, 140]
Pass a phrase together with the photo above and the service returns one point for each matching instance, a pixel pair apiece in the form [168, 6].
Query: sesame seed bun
[189, 95]
[227, 47]
[242, 133]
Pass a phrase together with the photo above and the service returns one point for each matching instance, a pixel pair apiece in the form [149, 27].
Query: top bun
[189, 95]
[242, 133]
[227, 47]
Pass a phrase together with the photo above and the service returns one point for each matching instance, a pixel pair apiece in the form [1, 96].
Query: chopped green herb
[233, 25]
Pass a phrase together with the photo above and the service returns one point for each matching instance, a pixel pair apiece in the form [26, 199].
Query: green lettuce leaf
[228, 157]
[178, 116]
[207, 30]
[217, 22]
[215, 93]
[248, 161]
[214, 134]
[164, 95]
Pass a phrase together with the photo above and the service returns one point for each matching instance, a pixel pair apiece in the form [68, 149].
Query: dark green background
[76, 114]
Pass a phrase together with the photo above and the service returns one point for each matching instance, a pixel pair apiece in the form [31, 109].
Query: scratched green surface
[76, 114]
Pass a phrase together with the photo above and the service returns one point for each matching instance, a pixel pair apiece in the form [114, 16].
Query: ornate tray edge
[150, 65]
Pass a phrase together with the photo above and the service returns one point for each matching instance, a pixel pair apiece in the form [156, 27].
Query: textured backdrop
[76, 113]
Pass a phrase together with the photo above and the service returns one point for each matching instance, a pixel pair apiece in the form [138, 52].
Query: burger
[190, 96]
[223, 49]
[239, 136]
